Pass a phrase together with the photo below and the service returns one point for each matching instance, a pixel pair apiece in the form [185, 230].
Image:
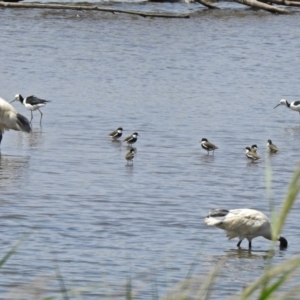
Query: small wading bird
[31, 103]
[116, 133]
[243, 223]
[206, 145]
[10, 119]
[293, 105]
[254, 148]
[130, 155]
[251, 155]
[131, 139]
[272, 148]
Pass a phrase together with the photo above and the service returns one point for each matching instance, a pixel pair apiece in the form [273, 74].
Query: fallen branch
[285, 2]
[90, 7]
[264, 6]
[207, 4]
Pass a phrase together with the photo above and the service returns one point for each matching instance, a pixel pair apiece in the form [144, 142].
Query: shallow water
[216, 75]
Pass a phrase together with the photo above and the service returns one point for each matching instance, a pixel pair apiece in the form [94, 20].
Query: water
[216, 75]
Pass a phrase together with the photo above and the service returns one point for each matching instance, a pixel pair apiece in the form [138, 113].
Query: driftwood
[207, 4]
[285, 2]
[90, 7]
[263, 4]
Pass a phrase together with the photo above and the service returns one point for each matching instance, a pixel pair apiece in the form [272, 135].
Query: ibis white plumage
[293, 105]
[243, 223]
[11, 119]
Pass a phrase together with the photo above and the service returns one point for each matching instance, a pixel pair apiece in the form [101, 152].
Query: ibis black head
[283, 242]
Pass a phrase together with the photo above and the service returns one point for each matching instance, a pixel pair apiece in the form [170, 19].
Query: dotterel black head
[251, 155]
[271, 147]
[208, 146]
[130, 155]
[131, 139]
[116, 133]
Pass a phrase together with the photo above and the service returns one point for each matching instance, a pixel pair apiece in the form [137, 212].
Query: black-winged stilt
[32, 103]
[293, 105]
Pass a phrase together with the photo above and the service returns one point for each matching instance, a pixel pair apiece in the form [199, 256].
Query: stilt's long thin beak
[277, 105]
[12, 101]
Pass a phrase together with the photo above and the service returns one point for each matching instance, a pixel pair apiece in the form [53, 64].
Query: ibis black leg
[239, 243]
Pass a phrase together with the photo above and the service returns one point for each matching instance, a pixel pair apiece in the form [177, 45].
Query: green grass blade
[288, 267]
[13, 250]
[267, 292]
[290, 198]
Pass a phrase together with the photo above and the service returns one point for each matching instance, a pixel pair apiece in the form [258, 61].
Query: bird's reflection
[295, 130]
[207, 158]
[12, 168]
[252, 164]
[250, 254]
[31, 140]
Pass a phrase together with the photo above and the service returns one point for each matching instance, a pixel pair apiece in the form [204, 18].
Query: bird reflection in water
[12, 169]
[250, 254]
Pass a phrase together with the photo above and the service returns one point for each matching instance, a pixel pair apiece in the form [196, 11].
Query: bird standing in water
[130, 156]
[32, 103]
[206, 145]
[11, 119]
[116, 133]
[243, 223]
[271, 147]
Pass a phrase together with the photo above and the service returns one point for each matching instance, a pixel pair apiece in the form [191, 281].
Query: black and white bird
[243, 223]
[271, 147]
[131, 139]
[254, 148]
[130, 155]
[32, 103]
[116, 133]
[206, 145]
[251, 155]
[293, 105]
[11, 119]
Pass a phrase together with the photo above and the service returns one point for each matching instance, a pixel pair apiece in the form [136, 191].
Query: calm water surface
[216, 75]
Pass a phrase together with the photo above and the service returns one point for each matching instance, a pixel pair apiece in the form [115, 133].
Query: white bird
[293, 105]
[32, 103]
[243, 223]
[10, 119]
